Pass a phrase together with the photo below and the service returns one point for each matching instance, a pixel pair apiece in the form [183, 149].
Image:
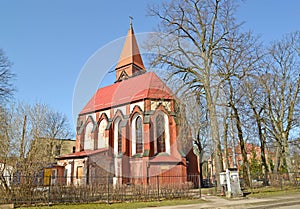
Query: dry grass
[129, 205]
[272, 191]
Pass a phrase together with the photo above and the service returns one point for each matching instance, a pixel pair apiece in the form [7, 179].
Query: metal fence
[280, 181]
[29, 191]
[33, 190]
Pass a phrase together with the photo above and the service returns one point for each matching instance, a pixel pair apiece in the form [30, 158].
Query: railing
[27, 190]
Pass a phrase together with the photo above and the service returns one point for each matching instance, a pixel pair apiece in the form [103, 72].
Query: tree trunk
[216, 141]
[4, 184]
[242, 145]
[200, 156]
[22, 156]
[262, 147]
[200, 169]
[235, 115]
[264, 159]
[226, 141]
[287, 156]
[277, 158]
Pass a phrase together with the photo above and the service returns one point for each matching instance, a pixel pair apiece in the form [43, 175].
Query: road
[290, 207]
[291, 201]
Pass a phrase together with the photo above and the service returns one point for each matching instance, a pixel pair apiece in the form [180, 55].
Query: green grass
[264, 192]
[131, 205]
[272, 191]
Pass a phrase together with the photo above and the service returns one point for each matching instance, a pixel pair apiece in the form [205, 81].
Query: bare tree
[225, 137]
[196, 117]
[31, 134]
[256, 99]
[4, 147]
[282, 86]
[199, 29]
[6, 92]
[192, 116]
[6, 77]
[45, 127]
[236, 63]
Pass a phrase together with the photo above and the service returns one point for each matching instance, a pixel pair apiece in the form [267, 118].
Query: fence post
[108, 189]
[199, 180]
[215, 182]
[157, 179]
[49, 192]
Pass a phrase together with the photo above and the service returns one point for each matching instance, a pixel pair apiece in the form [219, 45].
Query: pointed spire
[130, 60]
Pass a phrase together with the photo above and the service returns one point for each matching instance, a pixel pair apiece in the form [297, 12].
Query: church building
[129, 130]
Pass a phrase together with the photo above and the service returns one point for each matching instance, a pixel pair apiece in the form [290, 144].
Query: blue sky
[49, 42]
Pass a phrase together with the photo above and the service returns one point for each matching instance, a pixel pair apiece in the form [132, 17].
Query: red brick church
[129, 129]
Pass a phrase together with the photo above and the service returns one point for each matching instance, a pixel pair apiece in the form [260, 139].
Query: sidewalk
[254, 203]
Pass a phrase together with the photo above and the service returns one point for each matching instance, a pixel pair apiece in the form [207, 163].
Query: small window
[74, 149]
[66, 173]
[79, 172]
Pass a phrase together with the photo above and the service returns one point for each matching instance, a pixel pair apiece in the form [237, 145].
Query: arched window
[119, 138]
[102, 138]
[139, 135]
[160, 134]
[88, 140]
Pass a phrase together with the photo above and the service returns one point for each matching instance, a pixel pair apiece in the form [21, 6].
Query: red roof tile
[84, 153]
[147, 85]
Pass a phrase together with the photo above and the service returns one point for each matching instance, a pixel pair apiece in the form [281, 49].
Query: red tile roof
[84, 153]
[147, 85]
[249, 149]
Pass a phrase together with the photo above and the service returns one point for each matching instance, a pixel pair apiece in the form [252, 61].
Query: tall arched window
[139, 135]
[119, 138]
[160, 134]
[88, 140]
[102, 138]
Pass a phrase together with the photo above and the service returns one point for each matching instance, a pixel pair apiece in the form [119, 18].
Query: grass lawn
[131, 205]
[256, 193]
[272, 191]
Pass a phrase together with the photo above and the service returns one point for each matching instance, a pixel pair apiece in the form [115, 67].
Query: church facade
[129, 130]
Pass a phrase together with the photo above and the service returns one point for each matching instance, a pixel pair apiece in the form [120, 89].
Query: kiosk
[230, 183]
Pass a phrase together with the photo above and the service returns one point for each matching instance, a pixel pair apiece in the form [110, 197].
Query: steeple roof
[130, 61]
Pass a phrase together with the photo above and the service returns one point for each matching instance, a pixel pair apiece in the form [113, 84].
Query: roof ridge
[147, 85]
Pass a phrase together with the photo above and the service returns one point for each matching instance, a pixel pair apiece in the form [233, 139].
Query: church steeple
[130, 62]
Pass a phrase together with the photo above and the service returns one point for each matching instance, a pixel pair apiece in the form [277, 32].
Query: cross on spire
[130, 21]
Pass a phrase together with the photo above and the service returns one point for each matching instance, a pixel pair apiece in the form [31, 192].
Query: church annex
[128, 130]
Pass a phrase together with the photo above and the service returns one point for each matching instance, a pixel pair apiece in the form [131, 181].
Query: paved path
[255, 203]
